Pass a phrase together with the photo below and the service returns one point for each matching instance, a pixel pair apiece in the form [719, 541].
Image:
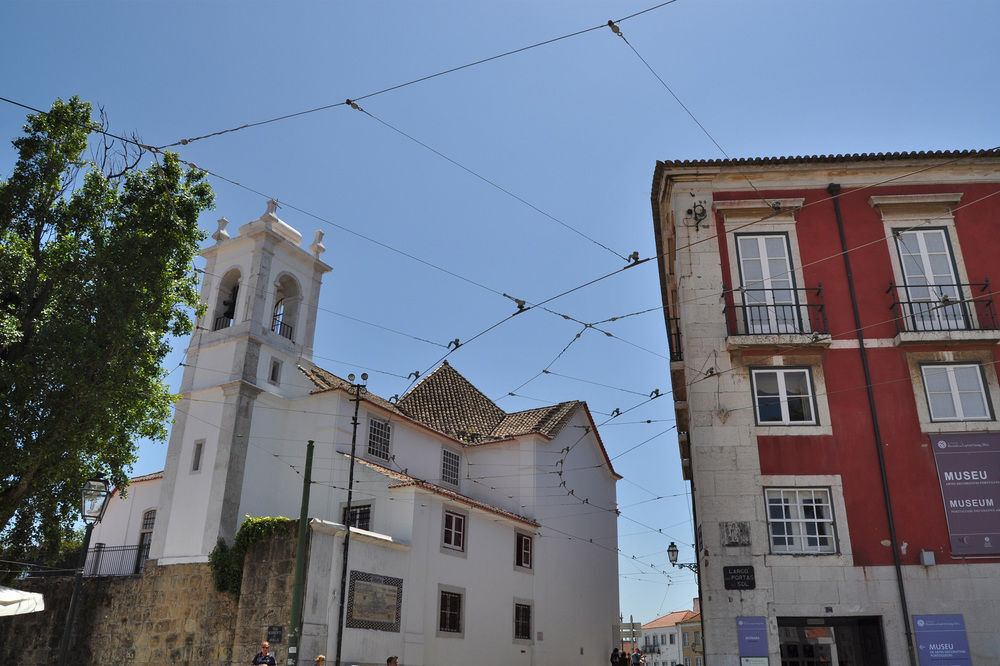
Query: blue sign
[751, 632]
[941, 640]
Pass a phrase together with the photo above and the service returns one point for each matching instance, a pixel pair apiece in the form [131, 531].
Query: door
[770, 305]
[929, 281]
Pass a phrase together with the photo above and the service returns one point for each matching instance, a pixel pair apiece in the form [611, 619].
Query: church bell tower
[261, 294]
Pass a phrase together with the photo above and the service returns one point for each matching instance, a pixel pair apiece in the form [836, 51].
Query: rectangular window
[379, 433]
[956, 392]
[770, 303]
[522, 622]
[522, 554]
[673, 639]
[783, 396]
[274, 376]
[800, 520]
[929, 282]
[687, 639]
[697, 661]
[450, 618]
[360, 516]
[454, 531]
[449, 466]
[199, 446]
[697, 638]
[687, 661]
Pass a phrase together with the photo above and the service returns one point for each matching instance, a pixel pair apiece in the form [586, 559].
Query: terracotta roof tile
[854, 157]
[446, 402]
[670, 619]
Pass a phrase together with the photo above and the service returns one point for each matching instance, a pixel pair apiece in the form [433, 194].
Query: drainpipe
[834, 190]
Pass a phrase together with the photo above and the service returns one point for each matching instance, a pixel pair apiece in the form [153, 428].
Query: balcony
[221, 323]
[674, 338]
[767, 317]
[281, 328]
[944, 312]
[116, 560]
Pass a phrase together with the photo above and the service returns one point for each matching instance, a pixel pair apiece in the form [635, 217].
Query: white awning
[15, 602]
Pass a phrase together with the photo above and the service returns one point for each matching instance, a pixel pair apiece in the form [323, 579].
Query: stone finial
[221, 234]
[317, 247]
[272, 209]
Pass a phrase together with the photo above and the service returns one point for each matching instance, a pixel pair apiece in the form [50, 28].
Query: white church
[477, 536]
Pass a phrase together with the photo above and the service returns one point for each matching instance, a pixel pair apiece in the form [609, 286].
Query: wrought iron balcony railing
[674, 338]
[790, 311]
[222, 322]
[943, 307]
[116, 560]
[281, 328]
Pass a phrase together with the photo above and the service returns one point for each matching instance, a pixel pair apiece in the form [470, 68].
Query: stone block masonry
[169, 615]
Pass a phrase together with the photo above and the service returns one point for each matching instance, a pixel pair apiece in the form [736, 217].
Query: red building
[834, 333]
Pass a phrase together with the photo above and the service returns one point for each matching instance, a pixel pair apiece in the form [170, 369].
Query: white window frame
[377, 448]
[934, 316]
[458, 525]
[800, 533]
[763, 303]
[524, 547]
[783, 396]
[955, 393]
[447, 465]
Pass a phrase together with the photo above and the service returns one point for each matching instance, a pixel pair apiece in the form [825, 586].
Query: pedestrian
[392, 661]
[614, 657]
[320, 660]
[637, 657]
[264, 656]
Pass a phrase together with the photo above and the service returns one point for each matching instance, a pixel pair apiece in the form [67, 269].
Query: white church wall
[122, 520]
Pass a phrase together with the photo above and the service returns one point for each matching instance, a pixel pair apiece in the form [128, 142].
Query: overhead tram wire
[614, 28]
[184, 142]
[486, 180]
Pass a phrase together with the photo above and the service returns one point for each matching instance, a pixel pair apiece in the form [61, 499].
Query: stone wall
[168, 615]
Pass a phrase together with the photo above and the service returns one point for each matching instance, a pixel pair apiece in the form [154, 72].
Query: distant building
[661, 639]
[478, 536]
[692, 645]
[833, 339]
[120, 542]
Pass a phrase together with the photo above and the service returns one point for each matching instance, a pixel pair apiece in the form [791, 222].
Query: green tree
[96, 271]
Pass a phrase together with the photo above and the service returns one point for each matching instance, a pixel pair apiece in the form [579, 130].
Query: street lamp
[94, 495]
[672, 555]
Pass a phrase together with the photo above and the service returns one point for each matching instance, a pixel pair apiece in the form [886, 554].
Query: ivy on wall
[227, 561]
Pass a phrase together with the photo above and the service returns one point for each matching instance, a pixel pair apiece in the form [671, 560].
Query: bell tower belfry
[261, 294]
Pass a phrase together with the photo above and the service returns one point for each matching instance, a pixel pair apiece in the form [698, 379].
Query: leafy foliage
[227, 562]
[95, 272]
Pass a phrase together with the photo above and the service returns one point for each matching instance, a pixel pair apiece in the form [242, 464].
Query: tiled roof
[446, 402]
[449, 403]
[325, 380]
[670, 619]
[820, 159]
[407, 480]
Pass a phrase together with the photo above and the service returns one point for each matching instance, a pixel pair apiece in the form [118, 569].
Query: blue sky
[572, 128]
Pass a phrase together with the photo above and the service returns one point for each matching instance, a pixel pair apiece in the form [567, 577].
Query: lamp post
[358, 391]
[672, 555]
[95, 495]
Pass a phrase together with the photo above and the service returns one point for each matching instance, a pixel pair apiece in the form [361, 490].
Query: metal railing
[281, 328]
[221, 323]
[943, 307]
[116, 560]
[790, 311]
[674, 338]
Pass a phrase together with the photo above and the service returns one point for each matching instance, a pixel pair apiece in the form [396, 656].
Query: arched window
[286, 307]
[145, 538]
[225, 307]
